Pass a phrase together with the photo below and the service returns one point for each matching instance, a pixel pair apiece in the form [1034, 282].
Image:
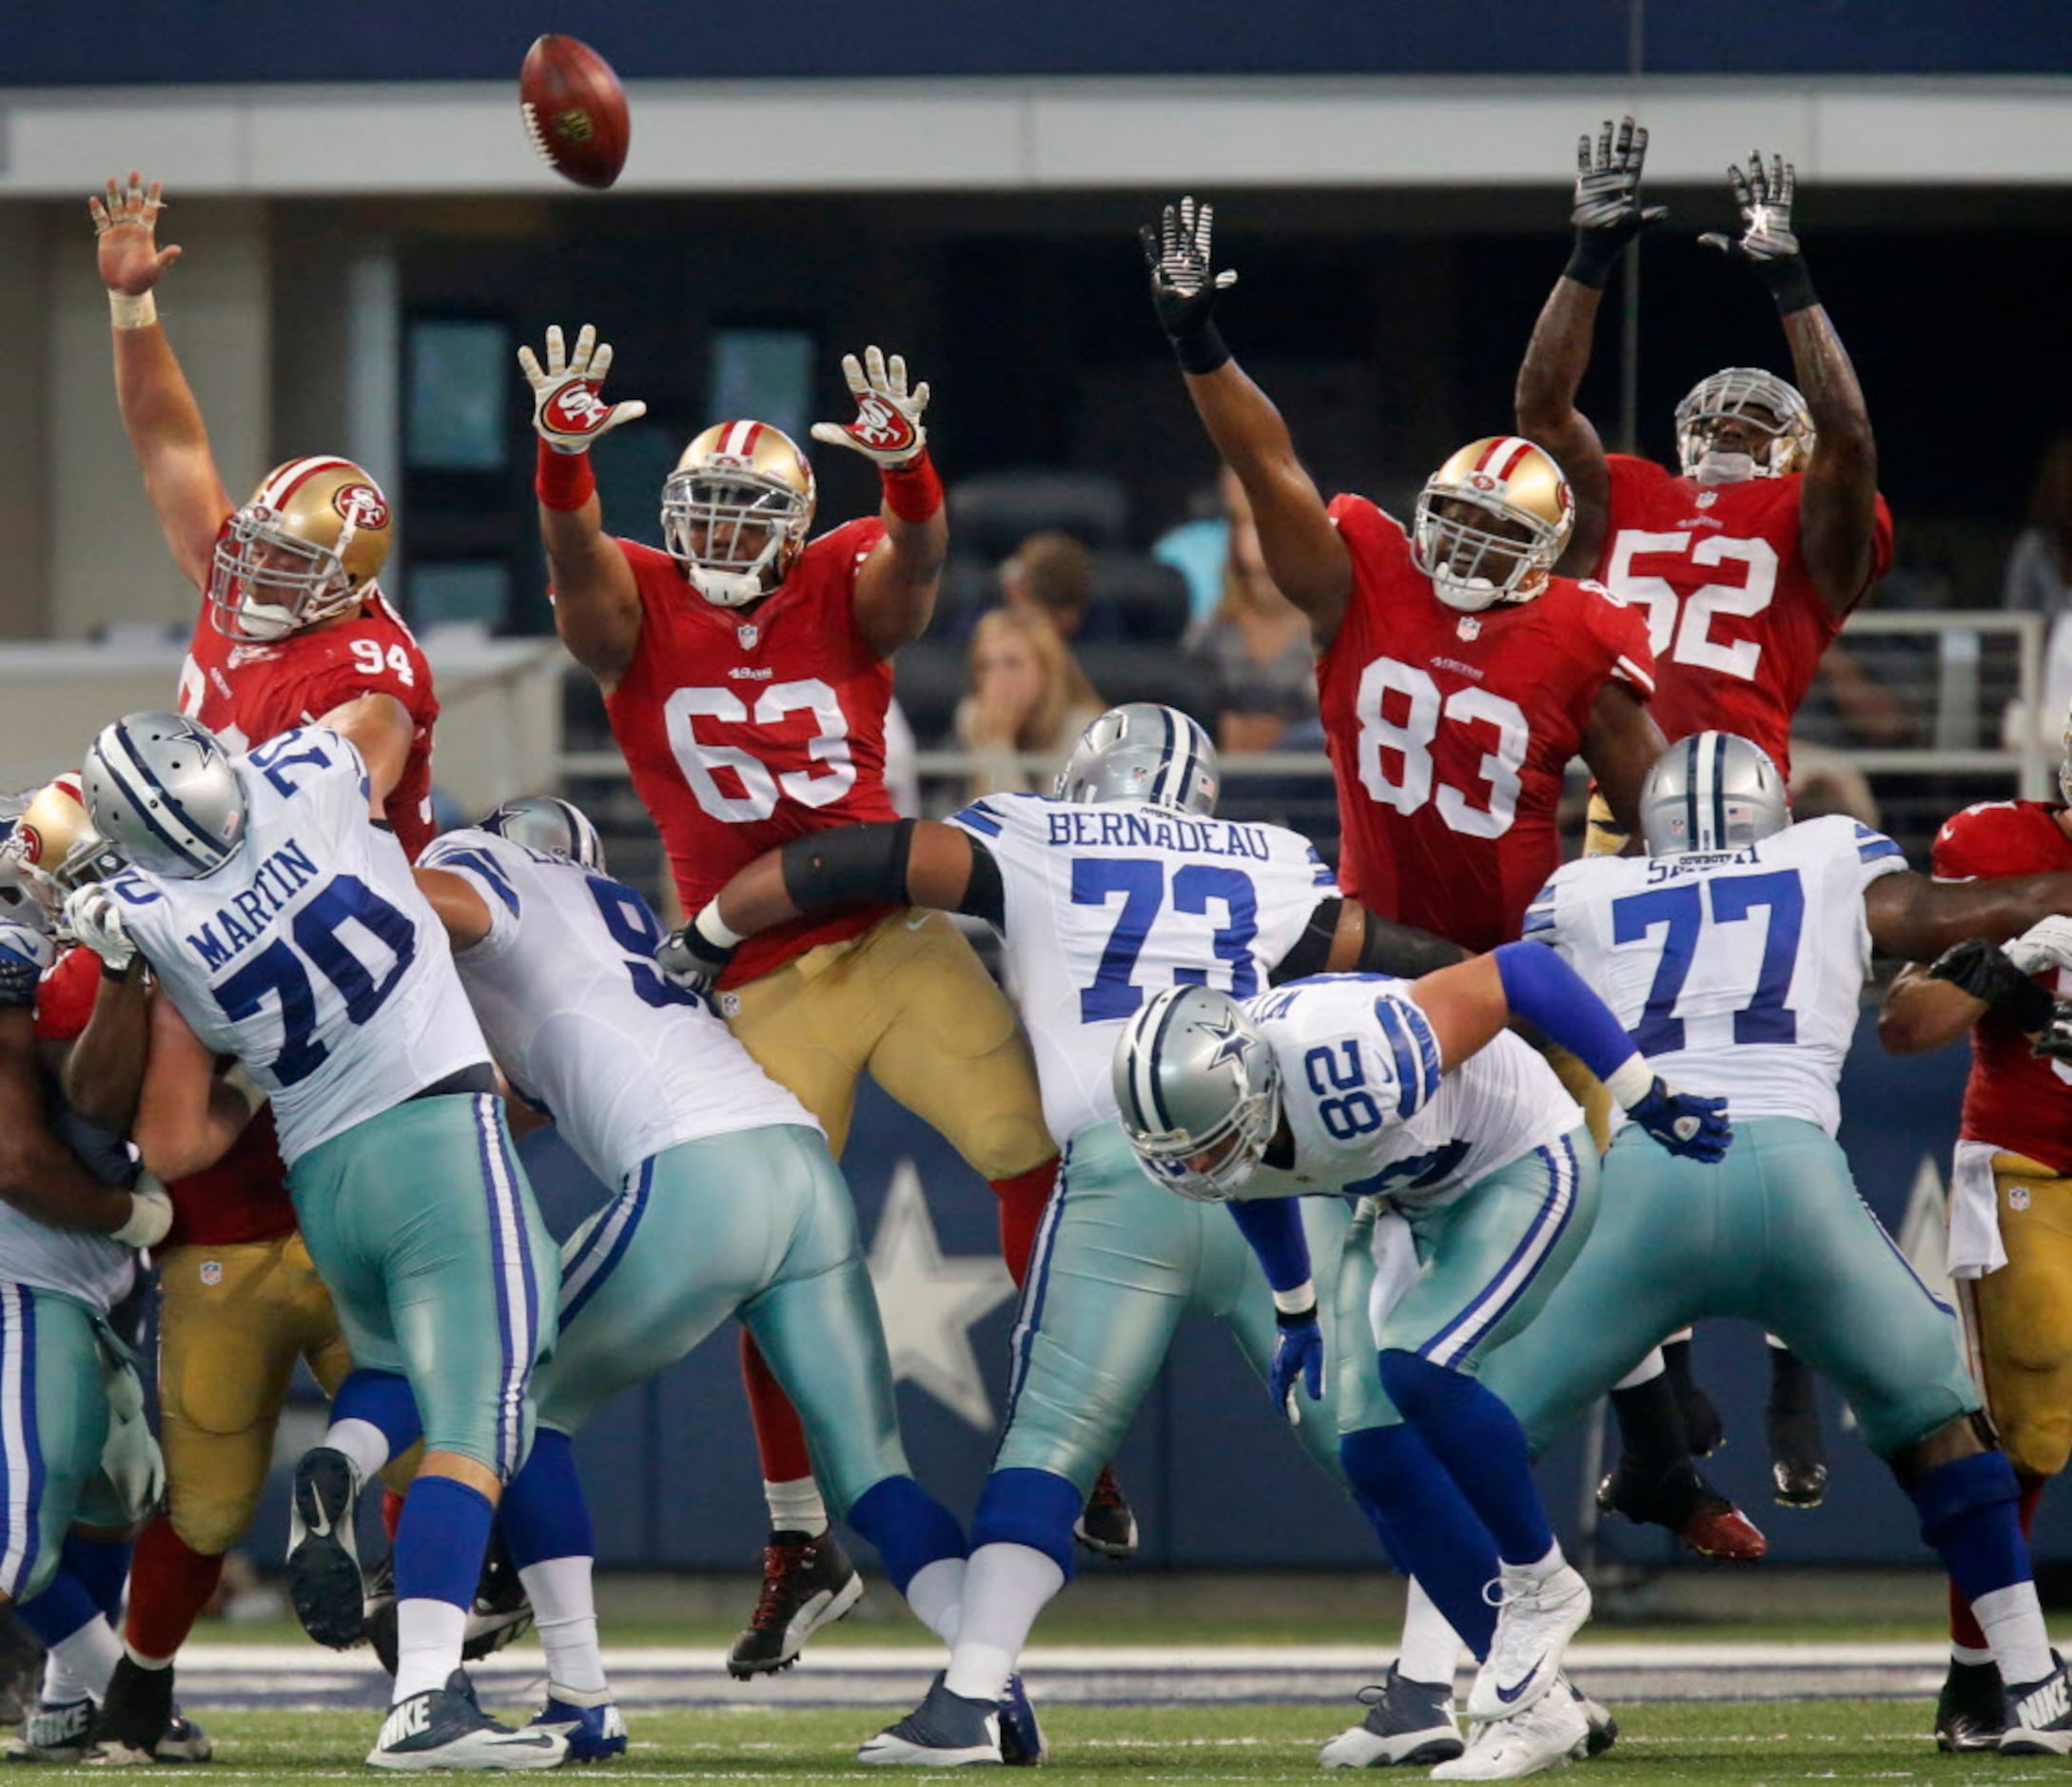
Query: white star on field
[929, 1300]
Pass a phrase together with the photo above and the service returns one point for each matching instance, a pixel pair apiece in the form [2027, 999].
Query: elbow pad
[849, 865]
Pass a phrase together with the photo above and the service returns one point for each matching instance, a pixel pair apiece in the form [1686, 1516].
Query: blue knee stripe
[1027, 1507]
[383, 1400]
[543, 1514]
[439, 1542]
[908, 1525]
[1968, 1513]
[1948, 1492]
[65, 1606]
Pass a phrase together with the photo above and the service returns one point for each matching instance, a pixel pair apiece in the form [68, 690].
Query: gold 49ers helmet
[305, 549]
[1491, 522]
[736, 509]
[1778, 429]
[53, 847]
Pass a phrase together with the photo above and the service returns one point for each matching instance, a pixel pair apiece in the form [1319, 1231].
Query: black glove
[1182, 288]
[1765, 241]
[2054, 1042]
[1607, 212]
[1986, 973]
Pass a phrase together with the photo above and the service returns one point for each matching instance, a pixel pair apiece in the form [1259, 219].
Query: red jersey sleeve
[1621, 630]
[1984, 840]
[64, 995]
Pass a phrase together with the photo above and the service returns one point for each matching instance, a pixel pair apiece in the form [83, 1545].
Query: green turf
[1750, 1744]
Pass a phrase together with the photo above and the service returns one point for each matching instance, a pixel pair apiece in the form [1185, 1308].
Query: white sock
[2012, 1619]
[565, 1616]
[361, 1442]
[1430, 1649]
[795, 1506]
[935, 1593]
[1005, 1588]
[428, 1634]
[1969, 1658]
[81, 1666]
[1541, 1567]
[1646, 1372]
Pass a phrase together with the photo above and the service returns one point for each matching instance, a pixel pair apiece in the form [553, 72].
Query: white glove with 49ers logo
[567, 411]
[888, 429]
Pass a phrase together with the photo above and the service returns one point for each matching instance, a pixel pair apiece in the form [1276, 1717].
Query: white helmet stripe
[275, 492]
[740, 440]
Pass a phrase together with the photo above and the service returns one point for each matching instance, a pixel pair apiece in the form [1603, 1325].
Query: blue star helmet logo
[1232, 1042]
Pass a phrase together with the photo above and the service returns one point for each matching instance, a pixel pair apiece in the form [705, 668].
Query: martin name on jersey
[309, 954]
[1108, 902]
[1738, 970]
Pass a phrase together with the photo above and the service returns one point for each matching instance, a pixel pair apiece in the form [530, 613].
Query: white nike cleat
[2039, 1716]
[946, 1731]
[444, 1728]
[1545, 1735]
[1407, 1722]
[1536, 1617]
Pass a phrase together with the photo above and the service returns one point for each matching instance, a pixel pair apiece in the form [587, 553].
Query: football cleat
[807, 1583]
[1107, 1524]
[444, 1728]
[594, 1733]
[1602, 1730]
[1972, 1710]
[179, 1740]
[2039, 1716]
[1022, 1742]
[140, 1722]
[1682, 1500]
[55, 1731]
[324, 1583]
[1537, 1613]
[946, 1731]
[1545, 1735]
[498, 1614]
[1408, 1722]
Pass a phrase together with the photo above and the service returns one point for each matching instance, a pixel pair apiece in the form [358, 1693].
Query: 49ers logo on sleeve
[361, 504]
[880, 426]
[576, 409]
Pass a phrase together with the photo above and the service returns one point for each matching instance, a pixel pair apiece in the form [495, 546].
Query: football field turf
[1801, 1740]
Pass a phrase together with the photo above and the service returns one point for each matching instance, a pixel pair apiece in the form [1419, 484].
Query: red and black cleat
[808, 1583]
[1682, 1500]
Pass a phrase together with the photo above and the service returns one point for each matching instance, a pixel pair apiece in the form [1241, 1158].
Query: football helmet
[1759, 398]
[736, 509]
[1711, 791]
[53, 847]
[542, 822]
[1491, 522]
[1143, 751]
[305, 549]
[1200, 1091]
[161, 791]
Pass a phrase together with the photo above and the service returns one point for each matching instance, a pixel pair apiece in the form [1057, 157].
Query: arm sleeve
[1273, 1226]
[1622, 631]
[1547, 994]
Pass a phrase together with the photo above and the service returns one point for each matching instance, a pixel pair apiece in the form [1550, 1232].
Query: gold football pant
[2019, 1320]
[909, 1001]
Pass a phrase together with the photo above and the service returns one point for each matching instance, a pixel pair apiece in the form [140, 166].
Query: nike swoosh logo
[1508, 1696]
[320, 1521]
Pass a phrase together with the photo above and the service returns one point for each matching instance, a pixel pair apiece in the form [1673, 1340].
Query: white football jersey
[1738, 974]
[581, 1020]
[1109, 902]
[1372, 1113]
[309, 955]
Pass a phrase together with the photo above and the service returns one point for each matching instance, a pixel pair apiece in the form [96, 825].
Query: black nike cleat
[807, 1583]
[1971, 1711]
[324, 1584]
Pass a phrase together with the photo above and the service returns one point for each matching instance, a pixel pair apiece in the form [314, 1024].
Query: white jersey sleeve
[1738, 974]
[1105, 904]
[583, 1021]
[310, 954]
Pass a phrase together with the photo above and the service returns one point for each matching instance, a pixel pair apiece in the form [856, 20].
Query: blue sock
[439, 1542]
[1483, 1448]
[1968, 1511]
[908, 1526]
[1034, 1508]
[543, 1514]
[62, 1608]
[1426, 1524]
[381, 1399]
[103, 1566]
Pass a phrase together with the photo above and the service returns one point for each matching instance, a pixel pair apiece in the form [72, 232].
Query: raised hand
[567, 412]
[1607, 184]
[1184, 288]
[888, 429]
[125, 236]
[1764, 198]
[1687, 1125]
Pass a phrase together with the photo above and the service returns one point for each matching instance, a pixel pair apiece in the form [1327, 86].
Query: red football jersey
[1449, 733]
[2013, 1099]
[746, 729]
[244, 1195]
[247, 693]
[1735, 622]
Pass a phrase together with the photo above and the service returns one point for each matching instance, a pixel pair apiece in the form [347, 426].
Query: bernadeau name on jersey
[1207, 837]
[241, 923]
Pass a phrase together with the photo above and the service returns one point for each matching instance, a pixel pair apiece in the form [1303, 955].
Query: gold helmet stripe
[276, 491]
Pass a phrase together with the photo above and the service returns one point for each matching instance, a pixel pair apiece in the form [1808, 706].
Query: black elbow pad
[849, 865]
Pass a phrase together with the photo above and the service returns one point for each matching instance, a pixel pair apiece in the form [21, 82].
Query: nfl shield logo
[1470, 627]
[211, 1271]
[748, 633]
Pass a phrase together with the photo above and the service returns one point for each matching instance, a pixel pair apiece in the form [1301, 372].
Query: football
[575, 110]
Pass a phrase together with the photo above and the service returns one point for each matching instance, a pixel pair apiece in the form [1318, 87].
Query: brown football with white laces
[575, 110]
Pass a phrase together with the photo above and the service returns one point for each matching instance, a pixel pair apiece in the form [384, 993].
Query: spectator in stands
[1029, 695]
[2039, 575]
[1052, 575]
[1256, 647]
[1198, 547]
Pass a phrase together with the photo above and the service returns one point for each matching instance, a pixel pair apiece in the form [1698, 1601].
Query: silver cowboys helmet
[543, 822]
[1143, 751]
[1745, 394]
[1711, 791]
[161, 791]
[1200, 1091]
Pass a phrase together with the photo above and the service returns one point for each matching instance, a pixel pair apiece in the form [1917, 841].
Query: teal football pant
[53, 1427]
